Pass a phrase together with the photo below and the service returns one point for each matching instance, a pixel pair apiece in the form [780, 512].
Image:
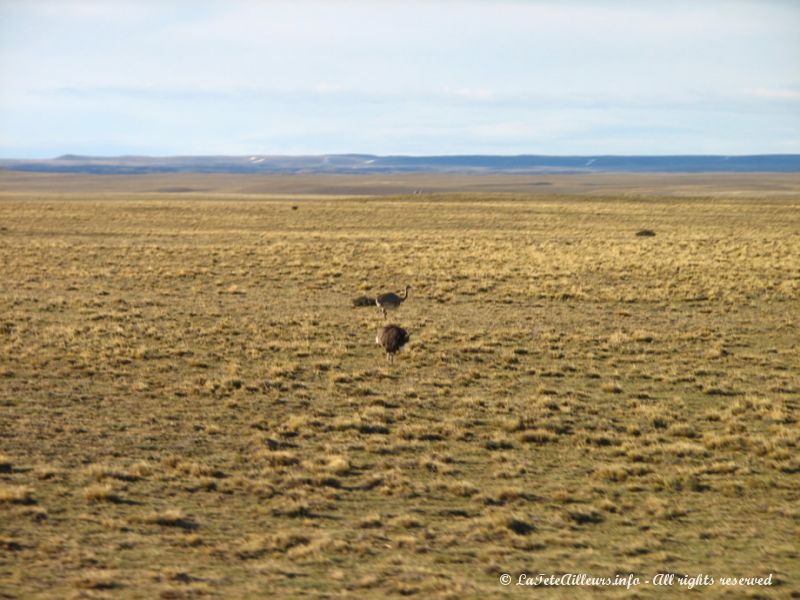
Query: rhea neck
[405, 294]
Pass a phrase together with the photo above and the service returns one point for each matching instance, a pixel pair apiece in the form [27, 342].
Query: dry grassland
[189, 406]
[692, 185]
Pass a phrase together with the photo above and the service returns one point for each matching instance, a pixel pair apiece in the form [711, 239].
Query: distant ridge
[368, 163]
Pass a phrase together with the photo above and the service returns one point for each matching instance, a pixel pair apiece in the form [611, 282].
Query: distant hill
[367, 163]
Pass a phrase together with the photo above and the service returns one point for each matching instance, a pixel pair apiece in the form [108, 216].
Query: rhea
[392, 338]
[391, 301]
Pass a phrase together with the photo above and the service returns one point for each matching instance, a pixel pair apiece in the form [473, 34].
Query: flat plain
[190, 406]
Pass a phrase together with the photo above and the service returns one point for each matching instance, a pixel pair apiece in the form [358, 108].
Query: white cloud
[98, 11]
[775, 94]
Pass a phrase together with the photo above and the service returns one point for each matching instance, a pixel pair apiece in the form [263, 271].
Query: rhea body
[391, 301]
[391, 338]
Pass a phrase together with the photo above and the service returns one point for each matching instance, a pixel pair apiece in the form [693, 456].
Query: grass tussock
[16, 494]
[6, 464]
[173, 517]
[101, 492]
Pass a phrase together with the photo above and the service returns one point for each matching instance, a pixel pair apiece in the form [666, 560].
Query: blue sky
[413, 77]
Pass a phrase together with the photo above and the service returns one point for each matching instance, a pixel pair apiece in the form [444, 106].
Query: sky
[211, 77]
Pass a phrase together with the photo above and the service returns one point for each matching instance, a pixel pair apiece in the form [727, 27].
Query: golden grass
[190, 407]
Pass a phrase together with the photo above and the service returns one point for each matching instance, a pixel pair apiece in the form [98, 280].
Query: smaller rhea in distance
[391, 301]
[392, 338]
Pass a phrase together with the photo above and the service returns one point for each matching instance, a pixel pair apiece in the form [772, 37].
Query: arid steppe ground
[190, 407]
